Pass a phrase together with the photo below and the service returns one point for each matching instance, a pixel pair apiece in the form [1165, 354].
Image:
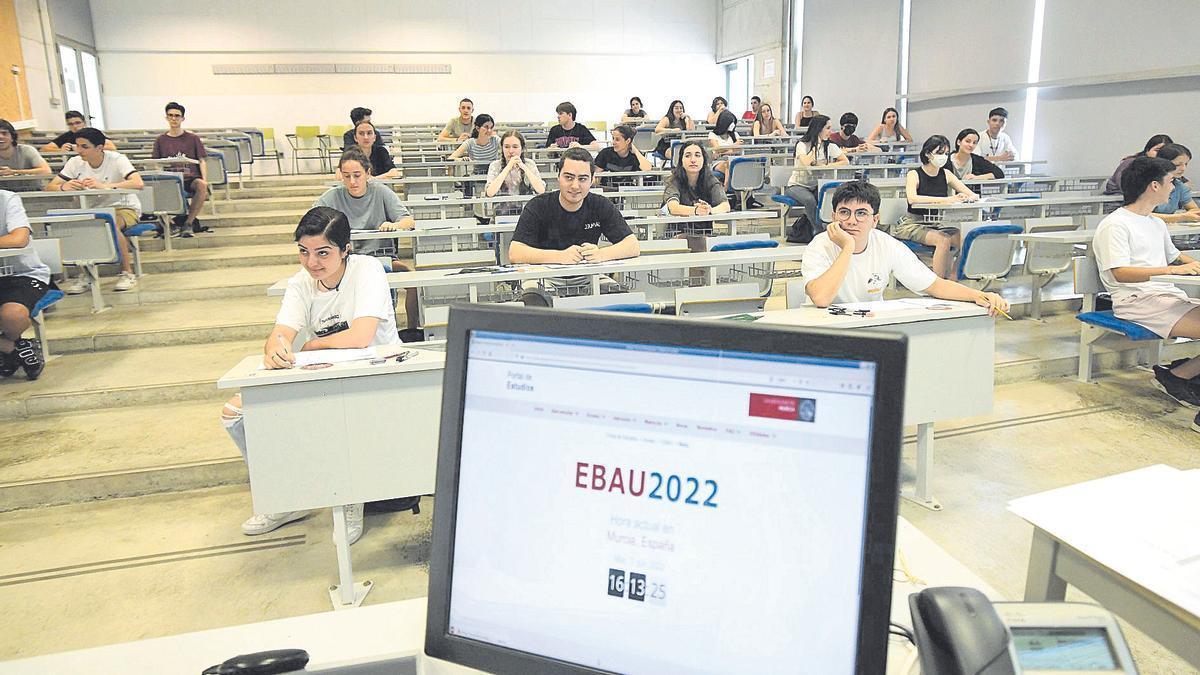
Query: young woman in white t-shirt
[337, 301]
[814, 149]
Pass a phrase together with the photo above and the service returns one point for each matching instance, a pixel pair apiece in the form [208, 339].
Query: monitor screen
[636, 507]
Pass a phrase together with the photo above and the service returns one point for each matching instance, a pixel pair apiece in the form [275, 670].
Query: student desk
[23, 183]
[1128, 541]
[1084, 238]
[951, 364]
[1186, 280]
[1019, 185]
[444, 202]
[1011, 208]
[85, 197]
[327, 438]
[391, 636]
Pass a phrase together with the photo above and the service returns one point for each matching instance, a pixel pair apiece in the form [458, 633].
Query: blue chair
[987, 253]
[744, 245]
[917, 247]
[825, 198]
[746, 175]
[1097, 325]
[632, 308]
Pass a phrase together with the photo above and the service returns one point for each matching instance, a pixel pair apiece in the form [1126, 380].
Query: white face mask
[938, 160]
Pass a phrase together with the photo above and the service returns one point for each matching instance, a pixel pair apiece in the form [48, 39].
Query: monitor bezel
[888, 351]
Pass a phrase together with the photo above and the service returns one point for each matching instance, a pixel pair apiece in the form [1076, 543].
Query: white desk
[1185, 280]
[951, 355]
[1009, 207]
[84, 196]
[392, 635]
[354, 454]
[1129, 541]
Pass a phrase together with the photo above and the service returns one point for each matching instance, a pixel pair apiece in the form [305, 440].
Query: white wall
[514, 58]
[850, 70]
[73, 20]
[755, 27]
[41, 64]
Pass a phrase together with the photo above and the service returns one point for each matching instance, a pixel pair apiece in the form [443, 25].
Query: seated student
[889, 129]
[765, 122]
[20, 291]
[513, 174]
[636, 114]
[564, 226]
[358, 115]
[18, 159]
[1132, 245]
[339, 300]
[814, 149]
[995, 145]
[1179, 207]
[481, 149]
[716, 107]
[95, 168]
[807, 113]
[369, 205]
[721, 141]
[930, 184]
[692, 190]
[458, 129]
[622, 155]
[752, 113]
[852, 261]
[846, 139]
[366, 139]
[66, 140]
[676, 118]
[1113, 185]
[568, 133]
[176, 142]
[966, 164]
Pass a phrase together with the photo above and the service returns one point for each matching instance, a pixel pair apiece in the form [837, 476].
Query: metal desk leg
[921, 495]
[346, 594]
[1035, 299]
[1042, 584]
[93, 276]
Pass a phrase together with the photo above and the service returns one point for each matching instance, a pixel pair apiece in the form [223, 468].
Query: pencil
[1002, 312]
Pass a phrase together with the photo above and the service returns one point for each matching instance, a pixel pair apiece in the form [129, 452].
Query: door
[81, 82]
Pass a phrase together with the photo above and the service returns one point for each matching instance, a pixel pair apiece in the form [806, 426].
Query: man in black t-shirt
[66, 140]
[564, 226]
[568, 133]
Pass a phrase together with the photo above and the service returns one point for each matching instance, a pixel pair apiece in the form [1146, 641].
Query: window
[81, 82]
[738, 82]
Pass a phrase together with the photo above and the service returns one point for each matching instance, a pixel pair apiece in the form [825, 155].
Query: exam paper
[332, 356]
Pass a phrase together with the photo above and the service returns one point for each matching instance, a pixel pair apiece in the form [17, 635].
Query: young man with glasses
[852, 261]
[66, 140]
[179, 143]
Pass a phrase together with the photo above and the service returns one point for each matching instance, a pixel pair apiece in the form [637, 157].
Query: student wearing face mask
[931, 183]
[845, 138]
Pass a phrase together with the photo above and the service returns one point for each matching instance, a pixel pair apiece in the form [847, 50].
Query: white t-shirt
[722, 141]
[990, 147]
[801, 175]
[1125, 239]
[13, 218]
[114, 168]
[316, 312]
[870, 270]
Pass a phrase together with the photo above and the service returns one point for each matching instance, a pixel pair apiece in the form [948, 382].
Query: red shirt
[186, 144]
[749, 115]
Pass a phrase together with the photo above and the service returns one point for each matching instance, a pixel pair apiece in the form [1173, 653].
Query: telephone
[959, 631]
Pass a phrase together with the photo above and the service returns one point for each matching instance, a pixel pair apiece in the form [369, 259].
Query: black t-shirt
[929, 186]
[609, 160]
[381, 160]
[66, 137]
[562, 138]
[545, 224]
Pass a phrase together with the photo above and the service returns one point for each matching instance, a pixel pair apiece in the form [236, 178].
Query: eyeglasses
[174, 116]
[859, 214]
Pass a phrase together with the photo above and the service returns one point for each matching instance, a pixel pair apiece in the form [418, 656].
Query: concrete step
[81, 457]
[249, 235]
[264, 203]
[227, 257]
[182, 286]
[315, 190]
[143, 378]
[289, 180]
[163, 324]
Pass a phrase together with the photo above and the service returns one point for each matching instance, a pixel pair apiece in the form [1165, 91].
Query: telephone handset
[959, 631]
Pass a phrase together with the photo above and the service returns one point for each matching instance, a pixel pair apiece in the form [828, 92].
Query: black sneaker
[1196, 423]
[1175, 387]
[198, 228]
[29, 353]
[9, 363]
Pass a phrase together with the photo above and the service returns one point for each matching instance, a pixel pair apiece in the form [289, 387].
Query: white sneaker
[76, 286]
[266, 522]
[125, 282]
[354, 522]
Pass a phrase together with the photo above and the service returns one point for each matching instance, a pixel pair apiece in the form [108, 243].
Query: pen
[282, 343]
[1001, 312]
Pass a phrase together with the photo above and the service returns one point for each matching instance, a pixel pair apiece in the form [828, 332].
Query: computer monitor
[659, 495]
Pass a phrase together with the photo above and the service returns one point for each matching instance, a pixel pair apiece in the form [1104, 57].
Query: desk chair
[308, 143]
[1044, 262]
[746, 175]
[1099, 325]
[612, 302]
[779, 180]
[87, 244]
[214, 166]
[164, 197]
[50, 253]
[825, 191]
[987, 254]
[720, 300]
[232, 156]
[601, 127]
[266, 147]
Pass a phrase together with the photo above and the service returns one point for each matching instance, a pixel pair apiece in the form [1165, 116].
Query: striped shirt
[488, 152]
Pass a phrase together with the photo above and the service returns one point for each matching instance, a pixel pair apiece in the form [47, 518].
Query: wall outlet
[16, 70]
